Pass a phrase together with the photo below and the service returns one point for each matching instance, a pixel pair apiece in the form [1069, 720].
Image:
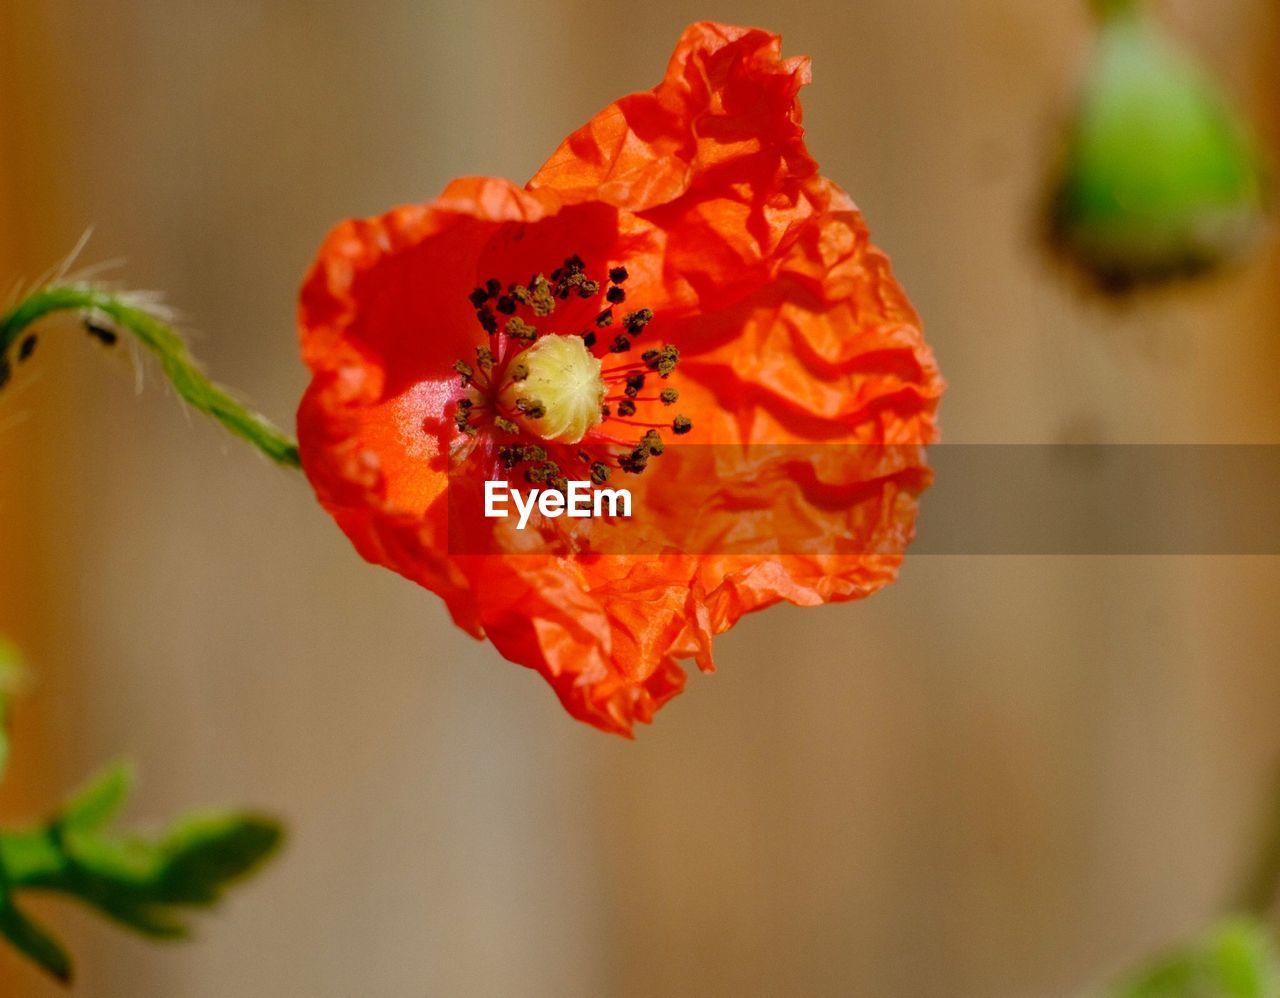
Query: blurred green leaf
[141, 881]
[100, 800]
[207, 851]
[1161, 178]
[11, 671]
[10, 663]
[1238, 959]
[32, 941]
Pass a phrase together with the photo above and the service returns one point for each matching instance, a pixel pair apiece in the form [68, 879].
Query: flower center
[545, 395]
[556, 388]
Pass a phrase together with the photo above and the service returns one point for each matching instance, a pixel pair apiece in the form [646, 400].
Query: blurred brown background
[1003, 777]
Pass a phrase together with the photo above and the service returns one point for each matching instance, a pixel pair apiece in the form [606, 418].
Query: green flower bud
[1161, 179]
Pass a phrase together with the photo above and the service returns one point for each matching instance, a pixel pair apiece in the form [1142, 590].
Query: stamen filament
[634, 422]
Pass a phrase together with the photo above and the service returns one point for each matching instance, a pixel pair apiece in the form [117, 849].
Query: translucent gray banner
[821, 499]
[1101, 499]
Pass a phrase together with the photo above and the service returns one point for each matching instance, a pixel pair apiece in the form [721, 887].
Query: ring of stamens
[492, 398]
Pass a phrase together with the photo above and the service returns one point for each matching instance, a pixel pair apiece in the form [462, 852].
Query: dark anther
[681, 425]
[636, 321]
[663, 361]
[478, 297]
[532, 408]
[492, 286]
[605, 411]
[518, 329]
[519, 370]
[510, 455]
[465, 369]
[560, 483]
[506, 426]
[620, 344]
[465, 403]
[461, 419]
[634, 383]
[635, 462]
[107, 337]
[599, 473]
[588, 340]
[544, 471]
[572, 277]
[488, 321]
[584, 457]
[615, 295]
[540, 296]
[535, 453]
[617, 274]
[484, 358]
[605, 318]
[652, 442]
[27, 347]
[669, 396]
[506, 305]
[626, 408]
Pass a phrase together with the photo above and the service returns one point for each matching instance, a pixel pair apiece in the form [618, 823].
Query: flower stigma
[563, 387]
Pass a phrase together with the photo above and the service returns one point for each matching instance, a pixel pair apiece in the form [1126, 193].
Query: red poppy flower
[692, 288]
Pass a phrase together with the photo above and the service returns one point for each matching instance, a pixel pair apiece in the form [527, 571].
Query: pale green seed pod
[561, 395]
[1161, 179]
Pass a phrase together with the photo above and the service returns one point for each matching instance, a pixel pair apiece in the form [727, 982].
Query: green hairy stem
[164, 343]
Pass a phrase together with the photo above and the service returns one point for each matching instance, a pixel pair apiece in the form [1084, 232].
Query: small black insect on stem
[103, 334]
